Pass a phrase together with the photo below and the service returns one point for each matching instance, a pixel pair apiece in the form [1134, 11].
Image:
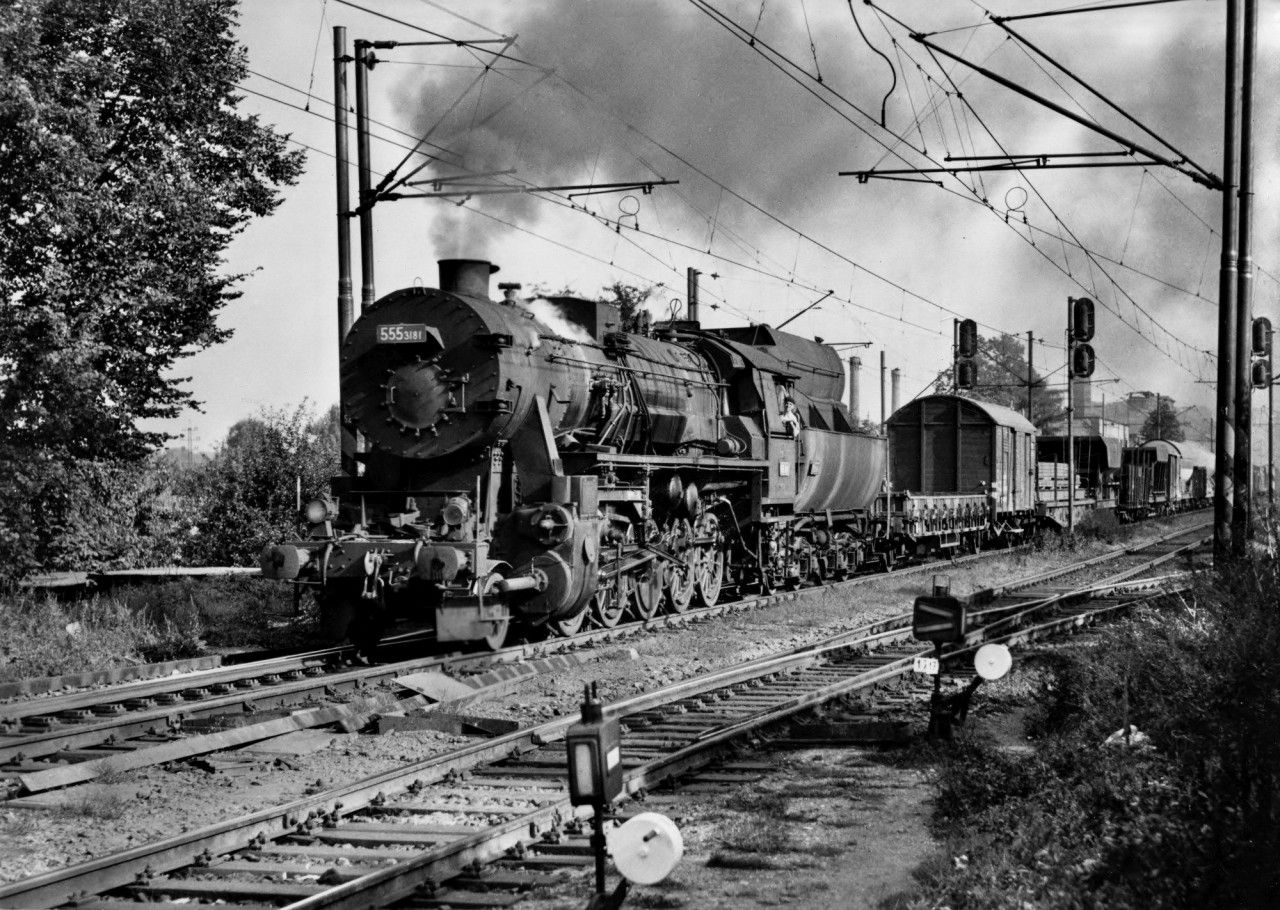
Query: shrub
[245, 496]
[41, 637]
[1189, 821]
[58, 514]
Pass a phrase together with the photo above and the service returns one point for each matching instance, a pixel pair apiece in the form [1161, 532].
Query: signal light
[968, 343]
[593, 751]
[1082, 361]
[1260, 373]
[1082, 320]
[1262, 337]
[966, 374]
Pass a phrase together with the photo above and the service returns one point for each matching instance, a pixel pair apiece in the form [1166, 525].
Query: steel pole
[884, 431]
[955, 356]
[1031, 371]
[347, 440]
[1241, 509]
[1271, 438]
[1071, 408]
[365, 175]
[1225, 418]
[340, 127]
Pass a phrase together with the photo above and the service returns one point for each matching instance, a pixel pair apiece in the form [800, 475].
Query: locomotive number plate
[402, 333]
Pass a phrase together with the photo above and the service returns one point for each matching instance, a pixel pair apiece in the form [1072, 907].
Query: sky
[642, 90]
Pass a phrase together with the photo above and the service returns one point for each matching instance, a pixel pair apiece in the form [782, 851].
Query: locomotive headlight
[317, 510]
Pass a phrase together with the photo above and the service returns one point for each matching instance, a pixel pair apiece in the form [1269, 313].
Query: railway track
[468, 827]
[56, 741]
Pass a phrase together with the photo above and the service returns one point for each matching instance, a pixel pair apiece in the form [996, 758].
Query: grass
[1187, 822]
[41, 635]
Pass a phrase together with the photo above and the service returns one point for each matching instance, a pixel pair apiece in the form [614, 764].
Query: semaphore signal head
[1082, 319]
[1083, 361]
[968, 342]
[1261, 337]
[1260, 373]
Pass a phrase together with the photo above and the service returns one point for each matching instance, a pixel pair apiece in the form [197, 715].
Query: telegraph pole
[1241, 508]
[1225, 417]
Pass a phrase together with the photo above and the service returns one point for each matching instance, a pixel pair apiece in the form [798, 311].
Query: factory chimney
[691, 309]
[895, 385]
[855, 387]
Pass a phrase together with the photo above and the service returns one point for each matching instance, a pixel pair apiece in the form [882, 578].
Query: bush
[245, 496]
[41, 637]
[59, 514]
[1189, 821]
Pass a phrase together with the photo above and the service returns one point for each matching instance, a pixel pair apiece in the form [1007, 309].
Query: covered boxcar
[1195, 474]
[1150, 481]
[960, 469]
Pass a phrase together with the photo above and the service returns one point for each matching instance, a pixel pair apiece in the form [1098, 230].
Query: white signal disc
[992, 661]
[646, 848]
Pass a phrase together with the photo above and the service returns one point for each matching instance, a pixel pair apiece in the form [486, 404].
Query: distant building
[1090, 418]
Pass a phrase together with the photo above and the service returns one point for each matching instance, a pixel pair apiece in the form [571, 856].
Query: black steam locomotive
[543, 469]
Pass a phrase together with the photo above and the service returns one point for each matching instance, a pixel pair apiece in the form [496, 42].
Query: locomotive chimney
[466, 276]
[691, 311]
[895, 385]
[855, 387]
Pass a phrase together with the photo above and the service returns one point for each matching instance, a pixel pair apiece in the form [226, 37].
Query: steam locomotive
[537, 472]
[534, 465]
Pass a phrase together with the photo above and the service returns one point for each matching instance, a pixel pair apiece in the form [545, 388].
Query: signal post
[1080, 363]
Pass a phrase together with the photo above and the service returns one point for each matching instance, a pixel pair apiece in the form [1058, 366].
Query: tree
[246, 496]
[125, 170]
[1162, 422]
[630, 301]
[1002, 379]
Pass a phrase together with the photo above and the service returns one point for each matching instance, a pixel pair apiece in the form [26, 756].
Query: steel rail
[158, 722]
[385, 886]
[121, 869]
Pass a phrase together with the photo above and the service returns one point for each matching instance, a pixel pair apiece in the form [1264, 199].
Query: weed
[655, 900]
[22, 823]
[100, 805]
[723, 860]
[1188, 821]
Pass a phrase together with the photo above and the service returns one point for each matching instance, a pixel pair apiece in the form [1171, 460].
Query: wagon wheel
[681, 579]
[644, 595]
[810, 566]
[606, 607]
[569, 626]
[498, 637]
[709, 560]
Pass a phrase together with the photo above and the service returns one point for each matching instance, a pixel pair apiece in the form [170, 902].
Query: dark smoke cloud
[673, 73]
